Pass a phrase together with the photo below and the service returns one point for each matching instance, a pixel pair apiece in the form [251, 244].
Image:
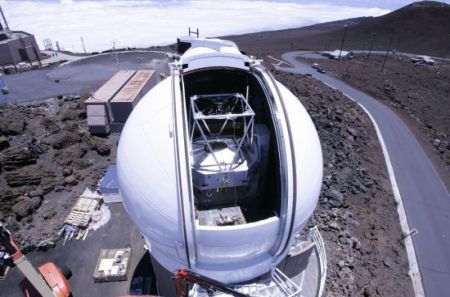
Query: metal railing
[314, 236]
[280, 285]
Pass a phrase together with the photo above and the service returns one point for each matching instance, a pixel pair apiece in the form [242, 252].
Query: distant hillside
[421, 27]
[281, 39]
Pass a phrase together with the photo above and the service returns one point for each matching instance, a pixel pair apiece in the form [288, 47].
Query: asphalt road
[318, 55]
[425, 196]
[80, 76]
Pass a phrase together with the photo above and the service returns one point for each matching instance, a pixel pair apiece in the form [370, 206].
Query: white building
[336, 54]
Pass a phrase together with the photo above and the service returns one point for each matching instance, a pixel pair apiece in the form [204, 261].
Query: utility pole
[115, 52]
[343, 40]
[5, 21]
[387, 53]
[348, 64]
[48, 44]
[82, 43]
[371, 44]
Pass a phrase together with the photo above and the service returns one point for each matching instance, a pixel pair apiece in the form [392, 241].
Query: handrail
[280, 284]
[314, 235]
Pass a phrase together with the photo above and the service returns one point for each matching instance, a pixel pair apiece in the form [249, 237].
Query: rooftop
[13, 36]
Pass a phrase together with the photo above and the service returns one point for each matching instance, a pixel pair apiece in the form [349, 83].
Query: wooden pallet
[81, 212]
[112, 267]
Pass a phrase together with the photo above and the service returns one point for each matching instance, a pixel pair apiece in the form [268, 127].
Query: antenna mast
[4, 20]
[194, 32]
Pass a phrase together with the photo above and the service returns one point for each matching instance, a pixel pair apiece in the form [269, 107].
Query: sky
[155, 22]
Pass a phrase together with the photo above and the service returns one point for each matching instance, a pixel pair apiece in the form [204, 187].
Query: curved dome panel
[146, 169]
[149, 176]
[308, 157]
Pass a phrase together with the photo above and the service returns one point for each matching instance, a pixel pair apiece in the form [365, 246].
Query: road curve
[425, 197]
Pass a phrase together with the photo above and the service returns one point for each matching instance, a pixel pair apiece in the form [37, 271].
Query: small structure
[186, 42]
[81, 212]
[99, 114]
[16, 46]
[77, 222]
[126, 99]
[109, 187]
[112, 265]
[422, 60]
[337, 54]
[111, 105]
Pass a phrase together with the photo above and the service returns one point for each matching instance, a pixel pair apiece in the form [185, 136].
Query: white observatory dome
[219, 166]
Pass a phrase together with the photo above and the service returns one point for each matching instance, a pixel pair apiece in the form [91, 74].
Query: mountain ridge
[420, 27]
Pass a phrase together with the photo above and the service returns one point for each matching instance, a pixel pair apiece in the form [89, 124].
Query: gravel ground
[357, 212]
[419, 94]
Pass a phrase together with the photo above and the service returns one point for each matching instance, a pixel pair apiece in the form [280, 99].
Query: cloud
[145, 23]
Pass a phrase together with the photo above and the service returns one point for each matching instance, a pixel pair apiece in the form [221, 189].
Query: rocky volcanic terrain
[41, 179]
[419, 93]
[47, 159]
[357, 212]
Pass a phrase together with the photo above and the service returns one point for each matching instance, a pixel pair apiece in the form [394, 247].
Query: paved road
[425, 196]
[55, 57]
[318, 55]
[81, 76]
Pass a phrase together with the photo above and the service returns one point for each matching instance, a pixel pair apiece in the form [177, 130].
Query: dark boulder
[17, 158]
[4, 143]
[67, 171]
[29, 176]
[63, 139]
[96, 143]
[68, 113]
[25, 206]
[73, 152]
[71, 180]
[12, 126]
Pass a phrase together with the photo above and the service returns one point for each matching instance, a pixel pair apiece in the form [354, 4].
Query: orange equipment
[49, 281]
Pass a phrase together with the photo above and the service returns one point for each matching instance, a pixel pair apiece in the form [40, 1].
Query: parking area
[82, 76]
[81, 257]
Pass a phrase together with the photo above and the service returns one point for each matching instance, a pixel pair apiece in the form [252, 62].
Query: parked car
[315, 66]
[9, 69]
[320, 70]
[22, 66]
